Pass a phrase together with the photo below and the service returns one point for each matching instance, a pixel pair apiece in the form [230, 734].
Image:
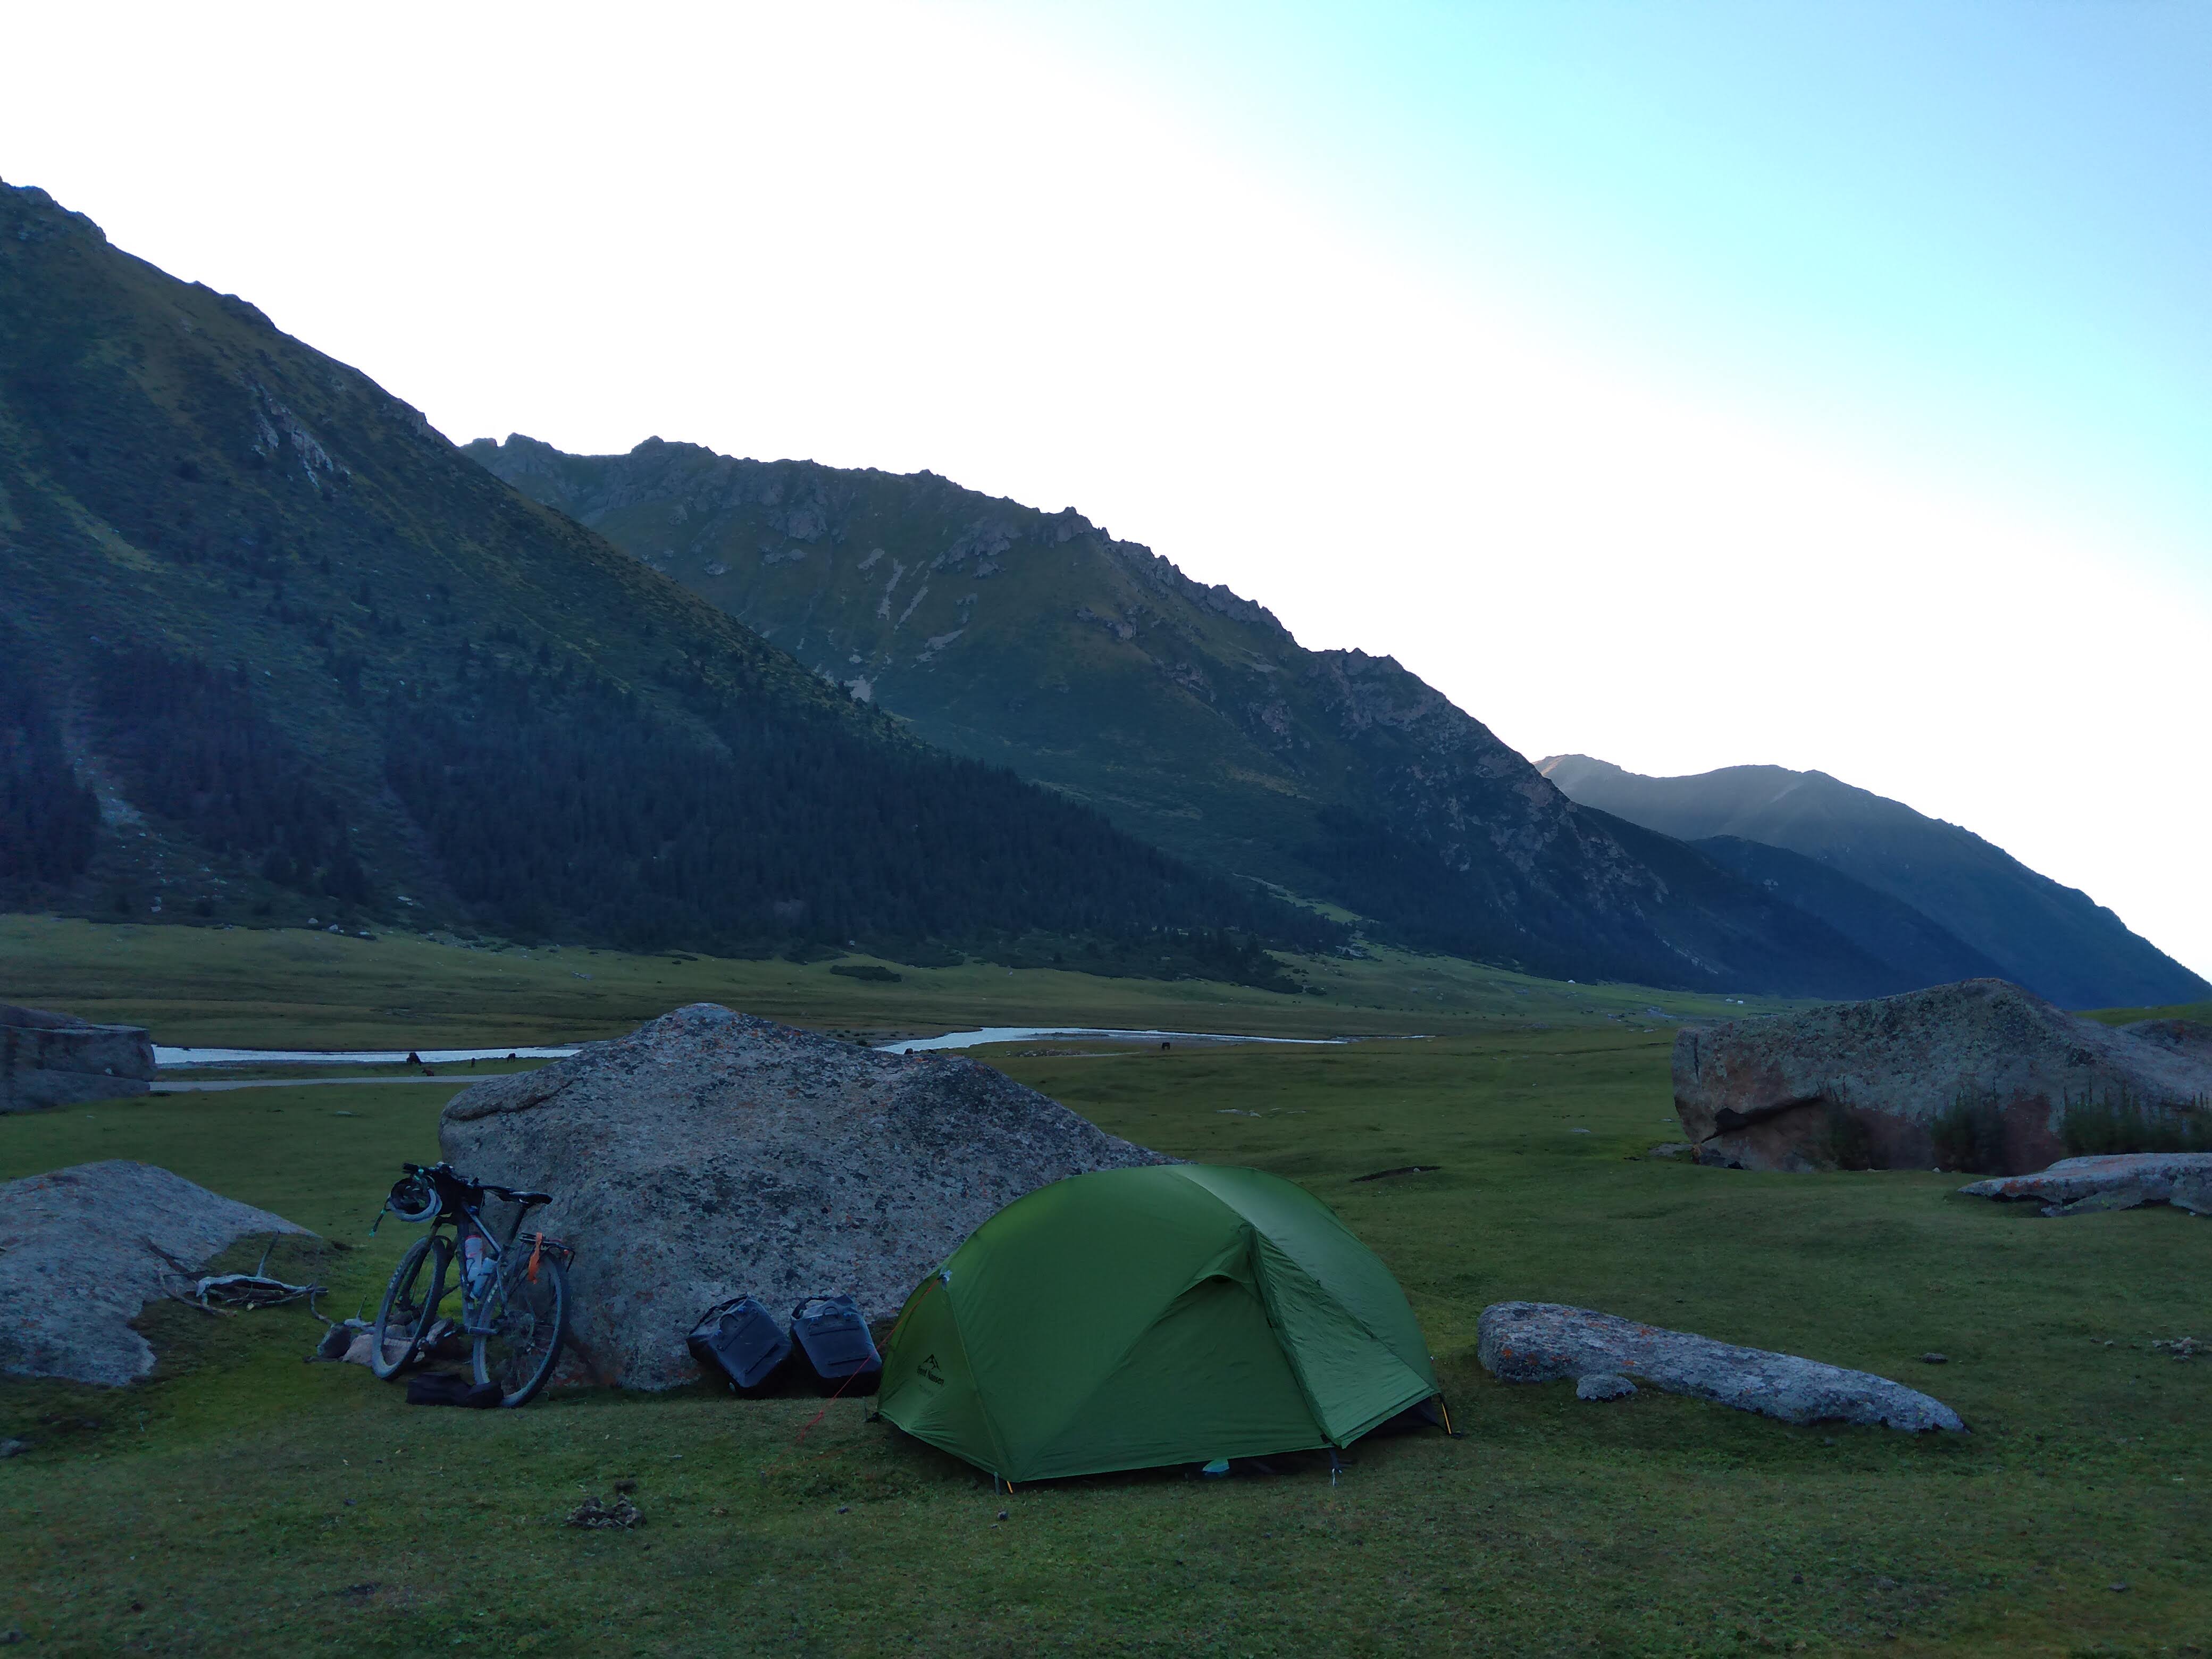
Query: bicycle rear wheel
[410, 1305]
[528, 1323]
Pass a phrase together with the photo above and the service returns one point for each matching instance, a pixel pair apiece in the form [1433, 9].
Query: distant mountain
[1186, 714]
[271, 647]
[1921, 951]
[2055, 940]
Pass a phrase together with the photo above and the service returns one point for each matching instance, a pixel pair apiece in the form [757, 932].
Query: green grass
[2196, 1011]
[289, 988]
[243, 1501]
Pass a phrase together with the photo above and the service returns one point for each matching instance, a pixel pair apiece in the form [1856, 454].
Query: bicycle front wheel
[529, 1320]
[410, 1305]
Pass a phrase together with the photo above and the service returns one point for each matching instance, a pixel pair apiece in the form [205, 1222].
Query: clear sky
[1821, 384]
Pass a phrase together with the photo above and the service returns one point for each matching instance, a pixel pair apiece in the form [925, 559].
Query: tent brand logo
[929, 1368]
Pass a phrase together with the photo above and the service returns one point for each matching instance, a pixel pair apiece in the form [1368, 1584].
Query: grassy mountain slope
[1922, 951]
[1186, 714]
[310, 659]
[2055, 940]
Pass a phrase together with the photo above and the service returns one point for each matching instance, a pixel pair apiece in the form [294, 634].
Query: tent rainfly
[1176, 1312]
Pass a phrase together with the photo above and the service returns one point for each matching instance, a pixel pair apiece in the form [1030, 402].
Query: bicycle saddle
[514, 1197]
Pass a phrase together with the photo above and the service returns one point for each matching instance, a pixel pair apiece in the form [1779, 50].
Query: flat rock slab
[78, 1260]
[2115, 1181]
[1548, 1342]
[709, 1155]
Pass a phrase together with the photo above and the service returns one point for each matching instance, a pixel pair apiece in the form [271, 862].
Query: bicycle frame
[476, 1310]
[466, 1214]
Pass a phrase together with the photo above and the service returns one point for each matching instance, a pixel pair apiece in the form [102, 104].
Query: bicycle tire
[532, 1322]
[406, 1314]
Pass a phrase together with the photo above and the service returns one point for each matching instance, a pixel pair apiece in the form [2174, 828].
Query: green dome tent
[1174, 1312]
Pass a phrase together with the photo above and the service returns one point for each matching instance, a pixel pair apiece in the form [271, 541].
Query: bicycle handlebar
[447, 1173]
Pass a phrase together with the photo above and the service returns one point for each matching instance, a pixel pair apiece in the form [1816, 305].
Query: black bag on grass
[834, 1345]
[742, 1341]
[444, 1388]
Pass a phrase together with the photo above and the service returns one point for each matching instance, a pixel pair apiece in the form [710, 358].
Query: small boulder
[1546, 1342]
[1865, 1084]
[709, 1155]
[1603, 1385]
[82, 1249]
[49, 1060]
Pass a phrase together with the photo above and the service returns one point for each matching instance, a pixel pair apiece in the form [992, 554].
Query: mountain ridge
[2053, 939]
[314, 660]
[1185, 711]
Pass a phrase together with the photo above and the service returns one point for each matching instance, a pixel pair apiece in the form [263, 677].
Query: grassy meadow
[243, 1501]
[293, 988]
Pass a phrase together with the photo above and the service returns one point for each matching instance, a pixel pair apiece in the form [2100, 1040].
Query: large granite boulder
[1548, 1342]
[1867, 1084]
[710, 1154]
[82, 1249]
[2192, 1037]
[58, 1060]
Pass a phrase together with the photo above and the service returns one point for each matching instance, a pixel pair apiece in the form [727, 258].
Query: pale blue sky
[1979, 233]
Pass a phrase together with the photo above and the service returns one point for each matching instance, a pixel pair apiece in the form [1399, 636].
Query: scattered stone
[14, 1446]
[1545, 1342]
[49, 1060]
[2181, 1347]
[1671, 1149]
[1934, 1358]
[1865, 1082]
[82, 1249]
[2112, 1181]
[1603, 1385]
[1402, 1170]
[2120, 1585]
[710, 1154]
[598, 1513]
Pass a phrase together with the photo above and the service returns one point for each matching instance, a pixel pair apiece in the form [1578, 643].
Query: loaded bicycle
[514, 1291]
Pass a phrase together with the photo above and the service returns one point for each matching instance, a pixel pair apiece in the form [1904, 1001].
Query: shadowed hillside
[273, 649]
[1186, 714]
[2057, 941]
